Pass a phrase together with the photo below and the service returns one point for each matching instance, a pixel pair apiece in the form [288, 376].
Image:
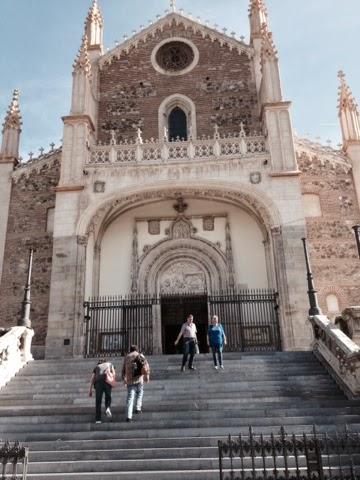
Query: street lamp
[356, 229]
[26, 303]
[314, 305]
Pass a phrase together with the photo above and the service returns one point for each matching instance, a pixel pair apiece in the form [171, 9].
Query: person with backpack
[216, 340]
[135, 371]
[102, 379]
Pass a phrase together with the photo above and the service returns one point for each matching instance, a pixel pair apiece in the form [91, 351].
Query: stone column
[290, 271]
[66, 297]
[157, 336]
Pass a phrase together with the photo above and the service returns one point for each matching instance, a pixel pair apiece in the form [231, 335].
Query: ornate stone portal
[183, 261]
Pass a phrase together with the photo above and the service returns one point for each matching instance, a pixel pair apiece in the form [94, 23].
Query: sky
[39, 40]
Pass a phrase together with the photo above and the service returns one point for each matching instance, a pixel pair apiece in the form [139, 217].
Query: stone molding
[181, 246]
[168, 20]
[255, 202]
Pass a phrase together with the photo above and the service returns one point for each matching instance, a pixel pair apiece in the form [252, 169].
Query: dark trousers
[102, 387]
[217, 351]
[189, 349]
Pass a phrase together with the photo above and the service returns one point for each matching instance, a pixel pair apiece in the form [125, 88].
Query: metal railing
[11, 456]
[314, 456]
[250, 319]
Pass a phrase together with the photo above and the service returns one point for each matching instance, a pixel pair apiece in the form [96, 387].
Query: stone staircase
[47, 408]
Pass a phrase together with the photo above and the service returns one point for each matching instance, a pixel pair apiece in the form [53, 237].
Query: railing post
[314, 306]
[26, 303]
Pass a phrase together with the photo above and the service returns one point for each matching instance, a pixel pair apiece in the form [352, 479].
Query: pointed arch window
[178, 128]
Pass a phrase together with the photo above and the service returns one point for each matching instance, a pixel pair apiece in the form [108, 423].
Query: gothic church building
[178, 173]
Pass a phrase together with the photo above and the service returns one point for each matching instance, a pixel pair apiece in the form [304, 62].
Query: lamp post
[314, 306]
[356, 229]
[26, 303]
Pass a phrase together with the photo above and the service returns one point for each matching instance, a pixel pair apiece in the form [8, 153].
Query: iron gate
[115, 323]
[250, 319]
[280, 456]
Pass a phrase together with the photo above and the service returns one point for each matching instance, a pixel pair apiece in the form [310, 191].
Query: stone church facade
[178, 173]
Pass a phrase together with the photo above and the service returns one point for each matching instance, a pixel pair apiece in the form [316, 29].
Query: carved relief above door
[181, 277]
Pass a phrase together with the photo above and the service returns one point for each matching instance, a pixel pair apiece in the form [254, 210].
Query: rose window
[175, 56]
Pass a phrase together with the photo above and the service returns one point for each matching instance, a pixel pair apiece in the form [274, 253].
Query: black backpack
[137, 365]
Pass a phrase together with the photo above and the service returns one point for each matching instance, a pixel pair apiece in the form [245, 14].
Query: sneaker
[108, 412]
[222, 367]
[216, 367]
[192, 368]
[98, 421]
[183, 369]
[129, 420]
[138, 412]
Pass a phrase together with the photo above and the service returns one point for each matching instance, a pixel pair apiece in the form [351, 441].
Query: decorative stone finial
[13, 117]
[258, 16]
[82, 61]
[173, 5]
[94, 24]
[348, 112]
[12, 129]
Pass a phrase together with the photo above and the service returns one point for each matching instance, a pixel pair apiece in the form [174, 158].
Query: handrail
[340, 354]
[15, 352]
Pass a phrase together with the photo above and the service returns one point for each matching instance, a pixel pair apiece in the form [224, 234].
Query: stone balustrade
[161, 151]
[15, 352]
[339, 353]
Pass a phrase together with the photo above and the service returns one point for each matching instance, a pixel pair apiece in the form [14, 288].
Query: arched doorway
[178, 125]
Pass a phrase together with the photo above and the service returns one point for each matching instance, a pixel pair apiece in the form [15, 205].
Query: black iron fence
[315, 456]
[250, 319]
[115, 323]
[11, 456]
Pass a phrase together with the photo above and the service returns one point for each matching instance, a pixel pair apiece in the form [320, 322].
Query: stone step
[184, 414]
[233, 413]
[151, 424]
[98, 432]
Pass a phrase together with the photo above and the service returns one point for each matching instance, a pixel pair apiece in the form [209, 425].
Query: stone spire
[82, 61]
[258, 17]
[12, 129]
[94, 26]
[348, 113]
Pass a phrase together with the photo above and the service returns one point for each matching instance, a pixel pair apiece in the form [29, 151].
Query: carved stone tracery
[182, 261]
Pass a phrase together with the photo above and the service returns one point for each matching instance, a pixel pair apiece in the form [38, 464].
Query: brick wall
[221, 86]
[334, 258]
[32, 195]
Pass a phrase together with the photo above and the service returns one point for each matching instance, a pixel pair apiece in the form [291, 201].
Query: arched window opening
[178, 125]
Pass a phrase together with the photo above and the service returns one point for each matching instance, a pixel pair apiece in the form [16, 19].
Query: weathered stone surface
[33, 193]
[334, 257]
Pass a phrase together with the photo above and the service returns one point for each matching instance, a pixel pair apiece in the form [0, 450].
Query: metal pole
[356, 229]
[314, 306]
[26, 303]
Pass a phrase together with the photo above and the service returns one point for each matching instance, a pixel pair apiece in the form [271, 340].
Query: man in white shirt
[189, 333]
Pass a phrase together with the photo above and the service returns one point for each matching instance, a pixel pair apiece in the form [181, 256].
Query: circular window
[175, 57]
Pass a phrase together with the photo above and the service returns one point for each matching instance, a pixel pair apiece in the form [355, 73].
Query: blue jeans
[217, 350]
[134, 392]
